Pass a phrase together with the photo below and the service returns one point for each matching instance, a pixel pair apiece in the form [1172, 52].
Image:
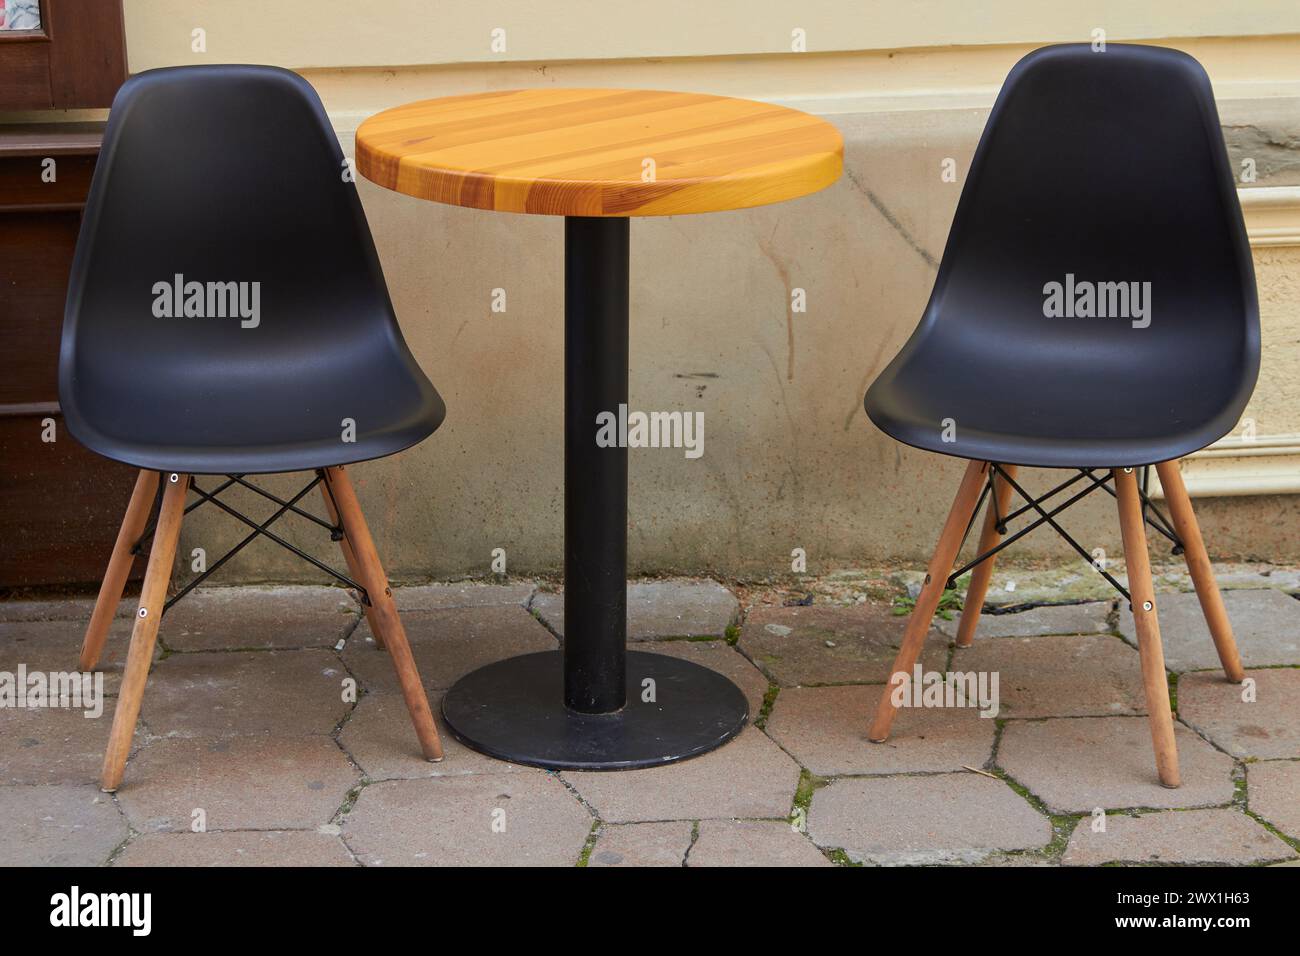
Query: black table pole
[595, 478]
[594, 705]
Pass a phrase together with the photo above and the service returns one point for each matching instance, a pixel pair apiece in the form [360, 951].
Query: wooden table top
[566, 152]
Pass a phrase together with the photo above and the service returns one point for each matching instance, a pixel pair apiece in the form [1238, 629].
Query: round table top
[580, 152]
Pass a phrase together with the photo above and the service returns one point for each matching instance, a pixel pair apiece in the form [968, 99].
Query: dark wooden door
[60, 505]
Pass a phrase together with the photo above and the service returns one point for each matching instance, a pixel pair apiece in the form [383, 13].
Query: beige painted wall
[790, 459]
[347, 33]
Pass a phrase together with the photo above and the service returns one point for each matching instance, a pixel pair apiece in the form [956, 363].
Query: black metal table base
[514, 710]
[584, 708]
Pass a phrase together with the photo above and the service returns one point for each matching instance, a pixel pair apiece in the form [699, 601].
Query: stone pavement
[273, 733]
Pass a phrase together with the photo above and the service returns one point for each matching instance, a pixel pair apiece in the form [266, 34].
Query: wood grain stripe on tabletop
[584, 152]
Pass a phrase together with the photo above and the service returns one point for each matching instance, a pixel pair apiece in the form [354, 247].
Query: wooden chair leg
[1199, 567]
[1154, 680]
[982, 573]
[354, 569]
[119, 568]
[927, 602]
[162, 555]
[383, 610]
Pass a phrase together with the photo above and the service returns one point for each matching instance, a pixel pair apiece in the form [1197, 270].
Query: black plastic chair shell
[1105, 167]
[232, 174]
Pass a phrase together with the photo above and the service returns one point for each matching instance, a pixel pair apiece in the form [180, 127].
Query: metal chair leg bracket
[1151, 514]
[259, 529]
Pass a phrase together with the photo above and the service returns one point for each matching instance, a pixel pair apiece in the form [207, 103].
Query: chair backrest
[223, 237]
[1104, 170]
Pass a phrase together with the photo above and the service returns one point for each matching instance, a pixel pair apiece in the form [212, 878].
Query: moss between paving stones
[1063, 824]
[809, 784]
[584, 858]
[769, 701]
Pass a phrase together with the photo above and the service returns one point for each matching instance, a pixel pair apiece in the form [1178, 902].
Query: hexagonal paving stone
[448, 644]
[1253, 575]
[831, 645]
[430, 597]
[510, 819]
[210, 619]
[53, 745]
[1015, 860]
[1217, 836]
[1014, 585]
[1080, 676]
[1087, 618]
[642, 844]
[679, 607]
[753, 843]
[54, 646]
[727, 661]
[67, 825]
[748, 777]
[1078, 763]
[1266, 727]
[237, 848]
[241, 783]
[254, 692]
[1273, 792]
[59, 609]
[825, 729]
[381, 739]
[1265, 623]
[1076, 581]
[930, 819]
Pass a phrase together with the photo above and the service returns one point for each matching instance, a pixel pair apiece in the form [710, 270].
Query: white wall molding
[1267, 465]
[1272, 215]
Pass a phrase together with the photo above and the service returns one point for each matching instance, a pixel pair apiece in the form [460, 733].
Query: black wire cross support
[1151, 515]
[259, 529]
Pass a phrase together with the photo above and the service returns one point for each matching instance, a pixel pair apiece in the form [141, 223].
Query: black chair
[1096, 170]
[227, 315]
